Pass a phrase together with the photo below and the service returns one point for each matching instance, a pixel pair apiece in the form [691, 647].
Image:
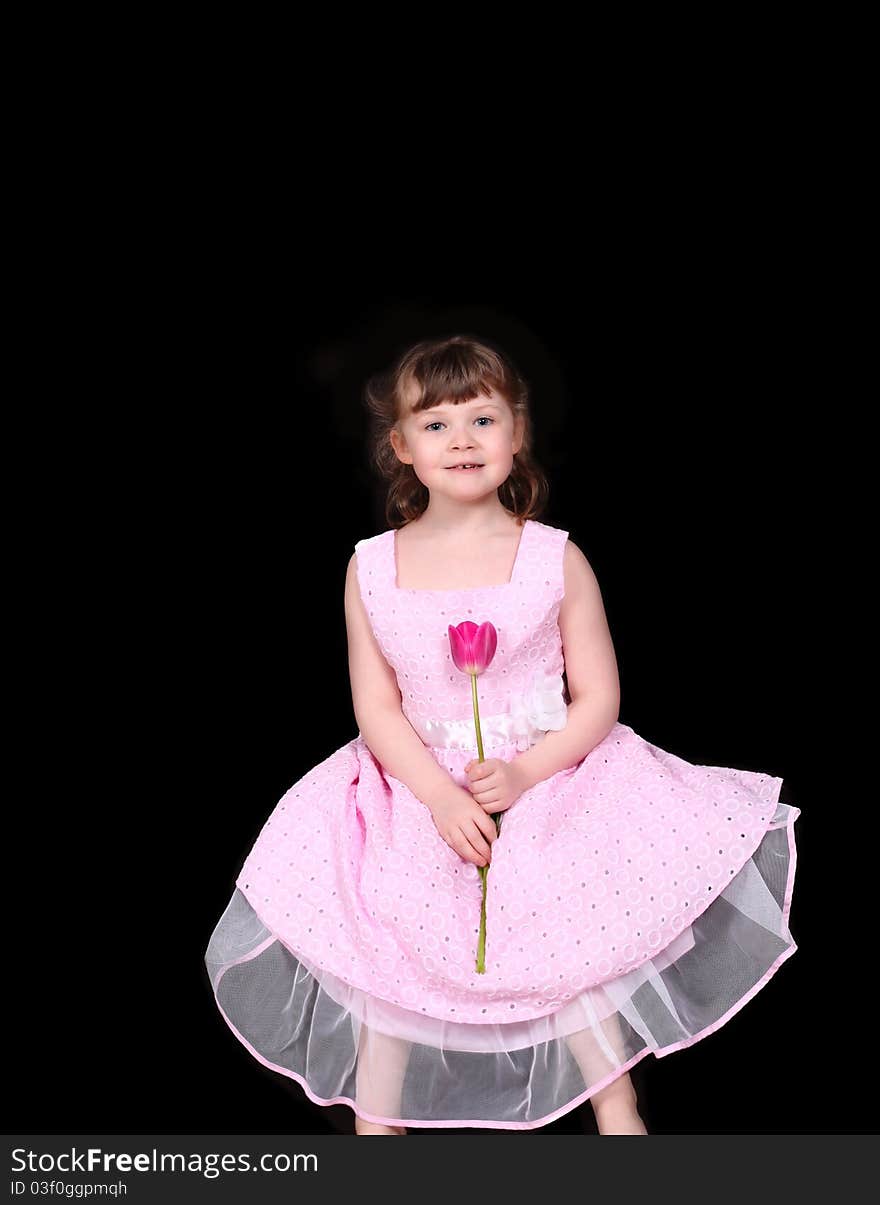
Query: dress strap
[373, 555]
[520, 572]
[540, 557]
[557, 548]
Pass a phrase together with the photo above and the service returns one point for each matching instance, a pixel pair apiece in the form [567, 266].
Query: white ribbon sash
[539, 709]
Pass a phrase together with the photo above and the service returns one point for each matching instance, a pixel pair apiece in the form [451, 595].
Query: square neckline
[456, 589]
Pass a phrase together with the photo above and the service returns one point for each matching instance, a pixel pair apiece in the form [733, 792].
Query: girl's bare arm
[377, 707]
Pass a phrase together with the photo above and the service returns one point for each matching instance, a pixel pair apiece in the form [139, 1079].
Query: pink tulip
[473, 647]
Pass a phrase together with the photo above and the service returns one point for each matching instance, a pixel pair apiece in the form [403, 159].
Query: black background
[188, 583]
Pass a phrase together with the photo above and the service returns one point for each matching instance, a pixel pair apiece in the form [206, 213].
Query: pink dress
[635, 901]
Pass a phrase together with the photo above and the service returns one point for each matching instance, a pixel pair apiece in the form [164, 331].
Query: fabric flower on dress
[540, 708]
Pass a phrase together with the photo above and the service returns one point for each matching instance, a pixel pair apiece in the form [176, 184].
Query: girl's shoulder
[371, 541]
[547, 527]
[545, 535]
[371, 553]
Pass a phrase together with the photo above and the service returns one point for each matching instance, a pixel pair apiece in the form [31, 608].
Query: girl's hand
[464, 826]
[494, 784]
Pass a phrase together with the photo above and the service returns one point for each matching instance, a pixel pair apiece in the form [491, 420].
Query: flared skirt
[400, 1066]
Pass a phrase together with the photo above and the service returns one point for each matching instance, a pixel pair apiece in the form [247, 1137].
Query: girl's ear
[398, 444]
[519, 428]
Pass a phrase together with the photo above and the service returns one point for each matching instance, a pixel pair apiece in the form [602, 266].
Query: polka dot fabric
[618, 888]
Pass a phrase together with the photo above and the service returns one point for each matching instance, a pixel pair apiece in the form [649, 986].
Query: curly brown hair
[457, 369]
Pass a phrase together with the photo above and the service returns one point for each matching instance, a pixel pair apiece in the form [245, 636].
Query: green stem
[484, 870]
[481, 944]
[477, 717]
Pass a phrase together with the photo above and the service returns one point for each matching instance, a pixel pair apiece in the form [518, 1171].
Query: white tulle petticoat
[397, 1067]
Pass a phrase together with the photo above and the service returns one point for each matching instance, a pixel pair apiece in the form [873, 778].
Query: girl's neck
[473, 524]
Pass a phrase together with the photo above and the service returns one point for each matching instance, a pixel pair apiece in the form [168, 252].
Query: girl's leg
[381, 1067]
[615, 1106]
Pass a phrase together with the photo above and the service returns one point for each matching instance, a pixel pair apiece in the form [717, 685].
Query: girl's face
[482, 431]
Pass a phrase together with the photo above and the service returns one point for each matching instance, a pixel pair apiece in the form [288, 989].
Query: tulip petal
[485, 644]
[455, 644]
[460, 640]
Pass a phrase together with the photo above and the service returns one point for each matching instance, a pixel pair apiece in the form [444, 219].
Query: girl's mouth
[458, 468]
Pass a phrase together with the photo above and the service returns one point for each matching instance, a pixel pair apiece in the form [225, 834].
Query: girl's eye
[476, 420]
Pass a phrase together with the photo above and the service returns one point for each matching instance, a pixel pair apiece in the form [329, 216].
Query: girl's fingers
[465, 850]
[480, 847]
[486, 826]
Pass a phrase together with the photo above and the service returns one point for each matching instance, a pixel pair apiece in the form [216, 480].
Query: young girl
[633, 901]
